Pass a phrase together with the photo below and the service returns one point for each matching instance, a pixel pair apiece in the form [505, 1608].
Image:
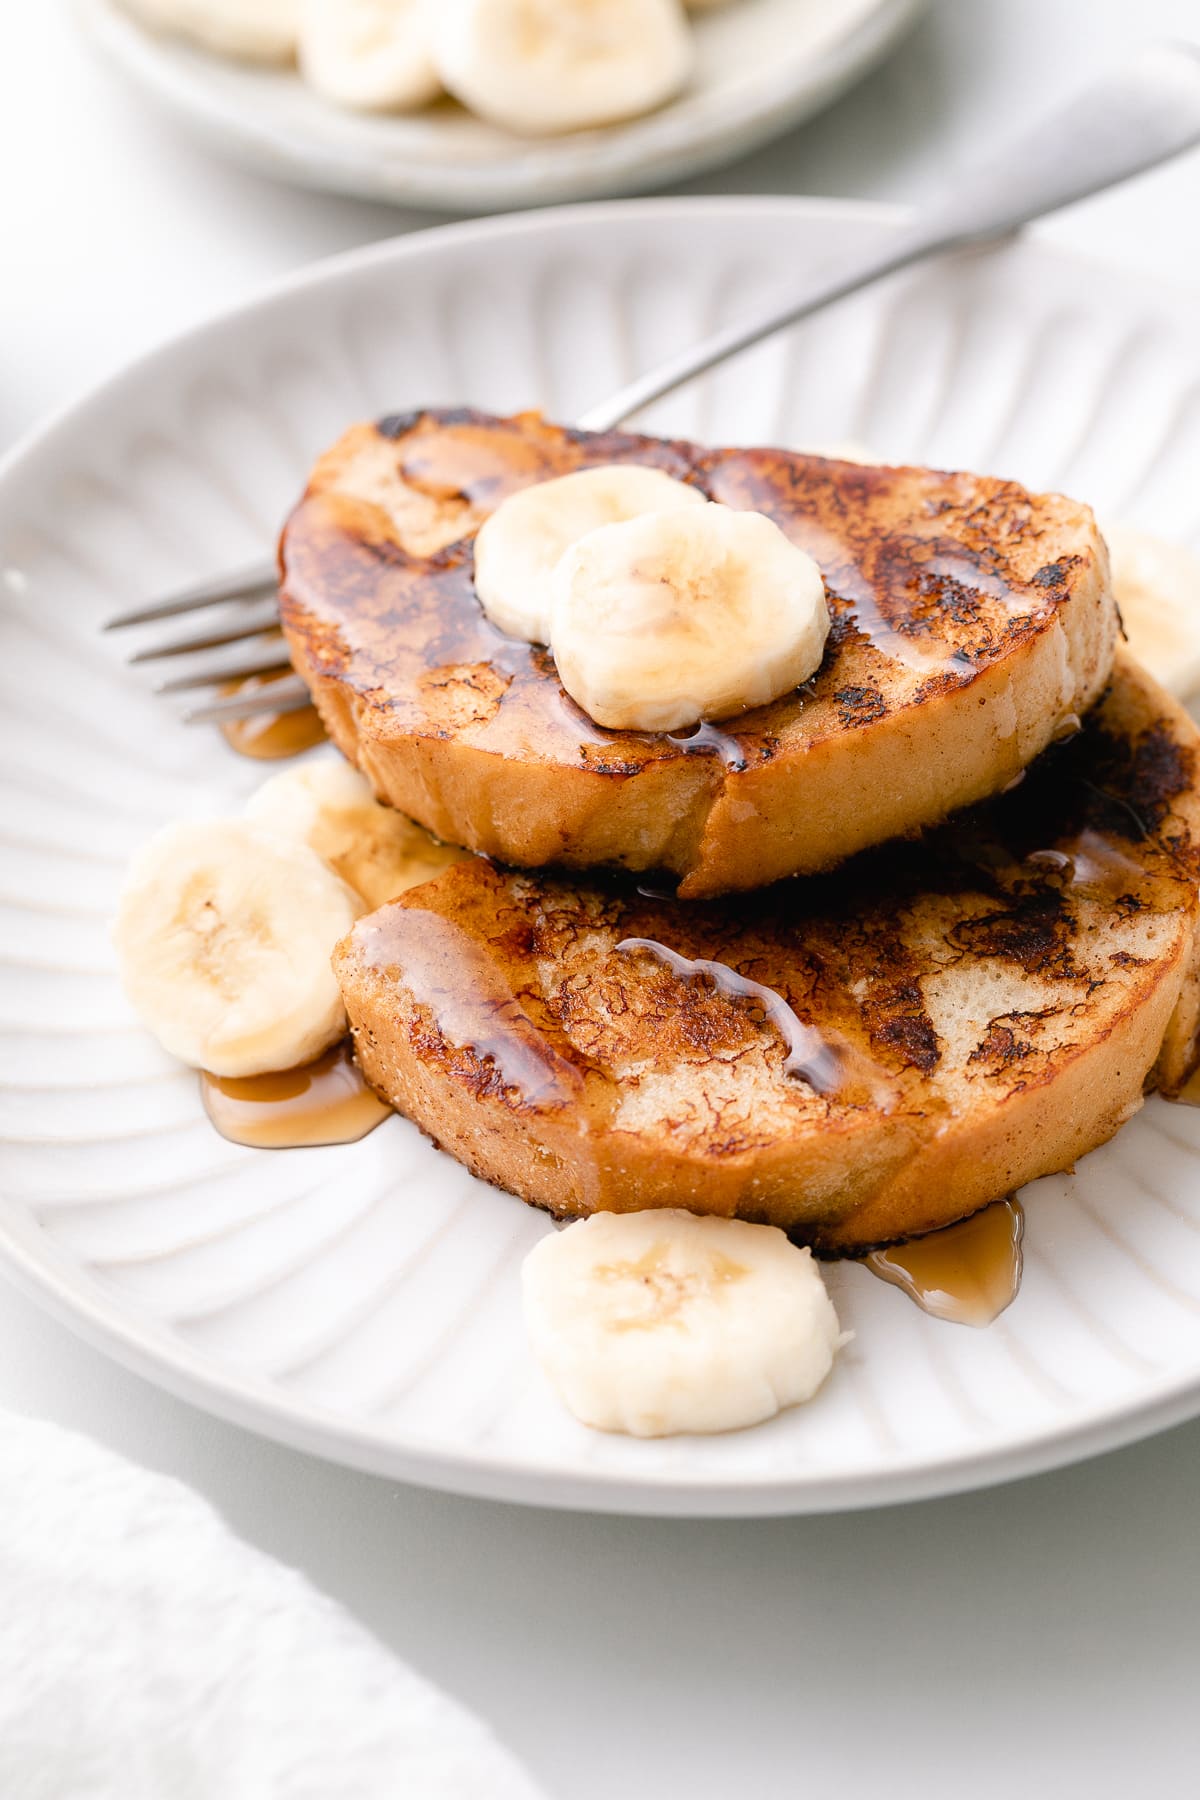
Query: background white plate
[762, 66]
[363, 1302]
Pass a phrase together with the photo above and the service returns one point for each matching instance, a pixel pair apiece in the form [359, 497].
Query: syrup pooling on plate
[325, 1102]
[269, 736]
[966, 1273]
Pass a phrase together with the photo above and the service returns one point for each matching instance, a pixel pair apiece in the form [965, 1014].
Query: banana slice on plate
[537, 67]
[518, 548]
[654, 1323]
[671, 618]
[223, 936]
[369, 54]
[255, 30]
[1157, 585]
[329, 806]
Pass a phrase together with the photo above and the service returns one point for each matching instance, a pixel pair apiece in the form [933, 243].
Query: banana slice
[676, 617]
[660, 1322]
[518, 548]
[1157, 586]
[255, 30]
[369, 54]
[329, 806]
[543, 66]
[223, 936]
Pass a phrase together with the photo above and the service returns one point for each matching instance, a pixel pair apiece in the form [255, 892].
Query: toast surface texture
[969, 618]
[856, 1057]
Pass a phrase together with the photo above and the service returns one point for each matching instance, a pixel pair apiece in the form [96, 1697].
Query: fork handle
[1142, 115]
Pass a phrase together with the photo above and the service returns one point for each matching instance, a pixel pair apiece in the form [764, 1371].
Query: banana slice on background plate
[1157, 585]
[654, 1323]
[223, 935]
[372, 55]
[519, 547]
[329, 806]
[671, 618]
[543, 66]
[253, 30]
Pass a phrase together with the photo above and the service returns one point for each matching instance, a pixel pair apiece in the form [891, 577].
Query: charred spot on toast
[1055, 574]
[1035, 931]
[860, 705]
[1000, 1046]
[912, 1037]
[1117, 783]
[1140, 780]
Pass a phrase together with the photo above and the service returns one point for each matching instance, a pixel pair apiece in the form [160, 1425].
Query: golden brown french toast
[856, 1057]
[970, 618]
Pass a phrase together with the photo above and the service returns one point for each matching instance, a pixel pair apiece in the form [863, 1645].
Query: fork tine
[241, 584]
[211, 640]
[261, 665]
[283, 696]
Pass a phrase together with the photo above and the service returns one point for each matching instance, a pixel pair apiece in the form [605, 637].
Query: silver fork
[1130, 121]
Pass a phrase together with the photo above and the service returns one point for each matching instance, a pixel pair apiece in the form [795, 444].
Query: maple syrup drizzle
[966, 1273]
[1095, 866]
[324, 1102]
[1055, 862]
[966, 573]
[476, 1002]
[269, 735]
[572, 717]
[915, 650]
[869, 618]
[1101, 865]
[811, 1058]
[709, 740]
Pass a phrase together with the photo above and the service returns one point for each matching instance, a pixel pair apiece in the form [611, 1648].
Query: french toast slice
[856, 1057]
[969, 619]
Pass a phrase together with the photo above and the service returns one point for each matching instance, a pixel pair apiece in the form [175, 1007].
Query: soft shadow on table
[909, 1646]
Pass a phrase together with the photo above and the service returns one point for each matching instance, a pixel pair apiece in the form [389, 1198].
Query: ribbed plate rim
[148, 1348]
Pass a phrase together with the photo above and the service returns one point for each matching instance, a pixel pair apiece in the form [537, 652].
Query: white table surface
[1040, 1638]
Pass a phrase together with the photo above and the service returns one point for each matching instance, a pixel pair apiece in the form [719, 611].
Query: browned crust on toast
[986, 1006]
[969, 616]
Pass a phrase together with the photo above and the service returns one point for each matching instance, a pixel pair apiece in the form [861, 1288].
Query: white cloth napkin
[147, 1654]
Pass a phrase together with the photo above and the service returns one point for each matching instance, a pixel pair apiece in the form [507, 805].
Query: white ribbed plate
[761, 67]
[363, 1302]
